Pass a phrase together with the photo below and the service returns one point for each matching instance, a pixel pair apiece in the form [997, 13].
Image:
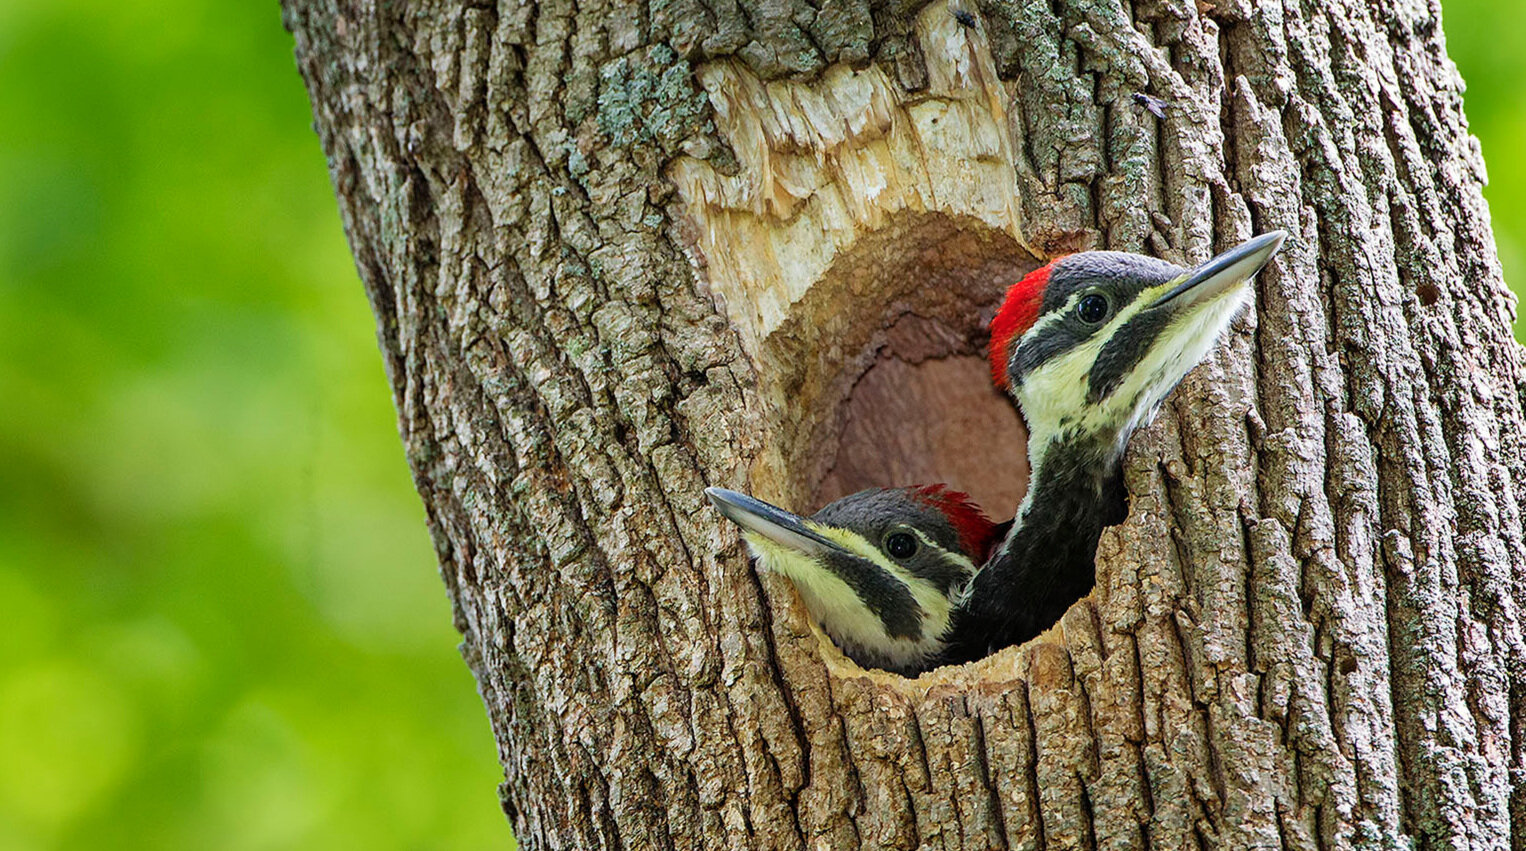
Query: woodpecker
[878, 569]
[1089, 346]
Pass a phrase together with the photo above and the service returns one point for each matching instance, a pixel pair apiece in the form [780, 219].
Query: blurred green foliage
[1487, 40]
[220, 620]
[220, 624]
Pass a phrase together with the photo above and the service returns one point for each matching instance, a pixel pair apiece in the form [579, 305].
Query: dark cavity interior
[887, 384]
[937, 419]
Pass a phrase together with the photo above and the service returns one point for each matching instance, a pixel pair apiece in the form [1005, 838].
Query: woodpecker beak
[771, 522]
[1223, 272]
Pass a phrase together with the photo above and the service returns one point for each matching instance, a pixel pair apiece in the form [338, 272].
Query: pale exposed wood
[622, 251]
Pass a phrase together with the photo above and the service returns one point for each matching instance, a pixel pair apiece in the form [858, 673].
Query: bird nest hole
[880, 370]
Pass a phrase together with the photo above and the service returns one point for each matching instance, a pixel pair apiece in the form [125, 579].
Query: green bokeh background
[220, 623]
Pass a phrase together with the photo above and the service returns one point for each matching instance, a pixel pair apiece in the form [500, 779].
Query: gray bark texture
[621, 251]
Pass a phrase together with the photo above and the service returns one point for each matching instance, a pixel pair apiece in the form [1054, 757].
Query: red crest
[977, 534]
[1016, 316]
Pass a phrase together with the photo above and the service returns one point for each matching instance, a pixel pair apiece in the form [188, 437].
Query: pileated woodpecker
[879, 569]
[1089, 346]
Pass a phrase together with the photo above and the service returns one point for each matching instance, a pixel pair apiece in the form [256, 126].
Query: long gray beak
[1224, 271]
[771, 522]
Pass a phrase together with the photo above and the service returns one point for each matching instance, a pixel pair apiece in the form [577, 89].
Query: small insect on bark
[1155, 105]
[965, 17]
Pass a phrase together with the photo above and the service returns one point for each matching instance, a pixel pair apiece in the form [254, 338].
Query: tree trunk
[619, 252]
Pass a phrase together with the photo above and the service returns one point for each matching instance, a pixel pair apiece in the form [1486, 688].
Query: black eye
[901, 545]
[1092, 308]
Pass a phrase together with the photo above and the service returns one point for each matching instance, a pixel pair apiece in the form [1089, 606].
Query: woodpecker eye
[901, 545]
[1092, 308]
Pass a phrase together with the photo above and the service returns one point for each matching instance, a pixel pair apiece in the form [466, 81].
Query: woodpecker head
[877, 569]
[1090, 344]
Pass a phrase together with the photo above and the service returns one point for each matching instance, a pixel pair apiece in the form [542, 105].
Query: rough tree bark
[620, 251]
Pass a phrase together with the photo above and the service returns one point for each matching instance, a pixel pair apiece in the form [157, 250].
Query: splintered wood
[821, 163]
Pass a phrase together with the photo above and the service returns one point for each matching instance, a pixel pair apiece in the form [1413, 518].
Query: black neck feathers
[1047, 560]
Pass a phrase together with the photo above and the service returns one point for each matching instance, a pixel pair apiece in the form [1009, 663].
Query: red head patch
[977, 534]
[1016, 316]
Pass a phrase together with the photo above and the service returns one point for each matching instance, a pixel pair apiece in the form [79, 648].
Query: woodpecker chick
[1089, 346]
[1093, 342]
[877, 569]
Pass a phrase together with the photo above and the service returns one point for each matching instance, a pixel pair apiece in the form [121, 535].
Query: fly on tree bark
[619, 253]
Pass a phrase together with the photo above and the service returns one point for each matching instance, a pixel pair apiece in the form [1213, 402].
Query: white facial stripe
[959, 592]
[1054, 316]
[1038, 327]
[955, 560]
[937, 606]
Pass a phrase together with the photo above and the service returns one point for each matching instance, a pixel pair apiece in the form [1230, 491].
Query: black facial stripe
[1123, 351]
[887, 597]
[1038, 348]
[933, 566]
